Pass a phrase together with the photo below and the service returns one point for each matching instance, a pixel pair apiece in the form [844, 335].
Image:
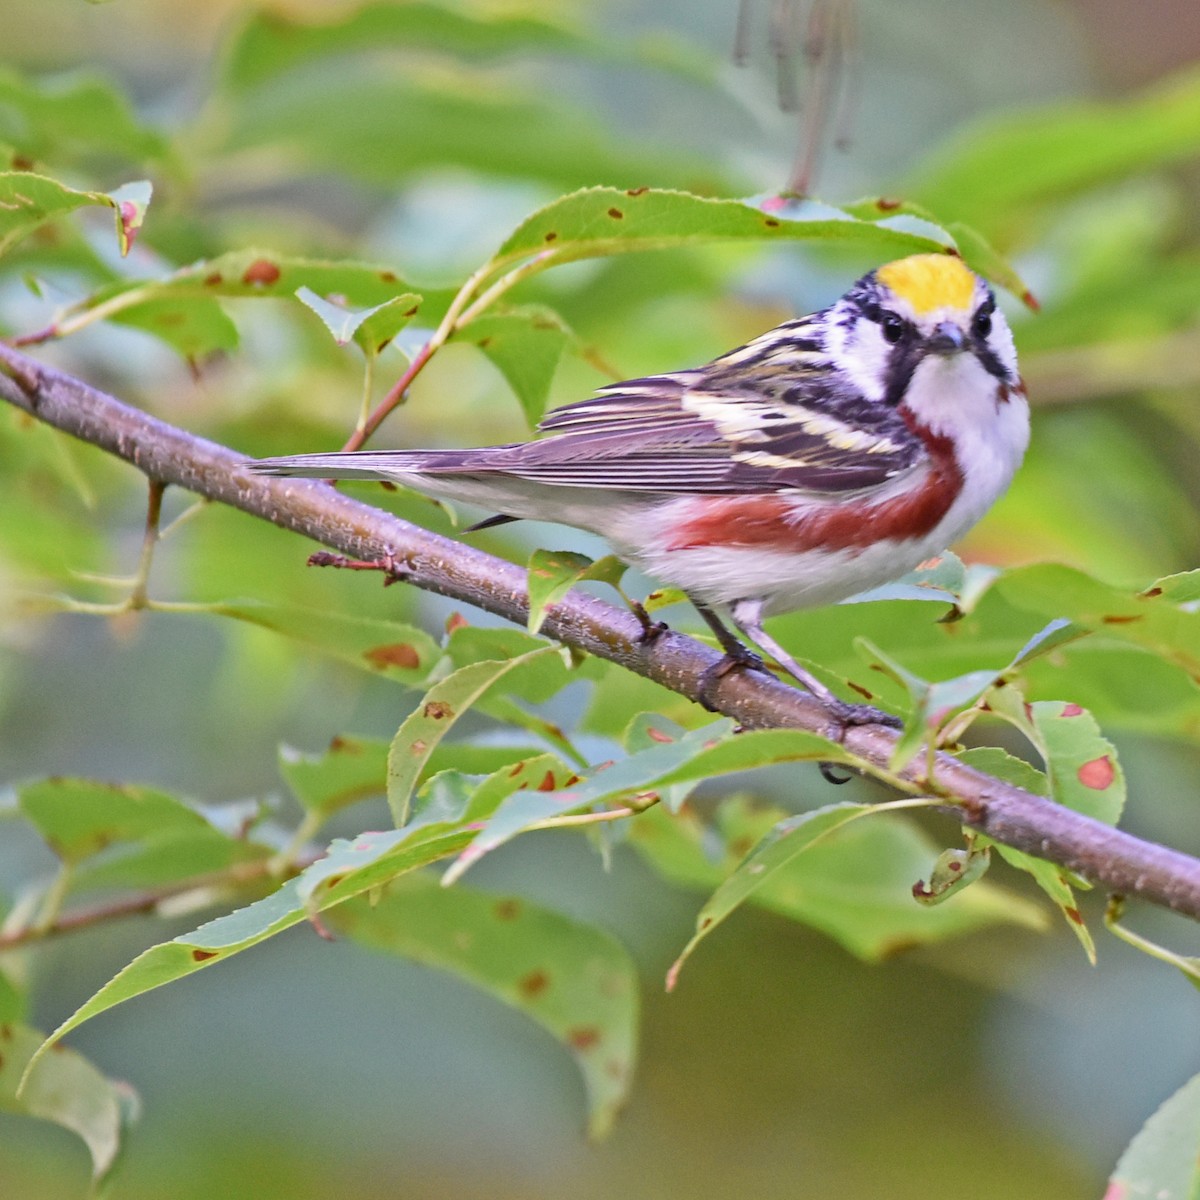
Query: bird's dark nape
[490, 523]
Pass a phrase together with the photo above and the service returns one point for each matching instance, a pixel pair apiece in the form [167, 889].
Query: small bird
[828, 456]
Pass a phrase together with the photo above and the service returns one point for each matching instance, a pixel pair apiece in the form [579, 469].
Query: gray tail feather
[356, 464]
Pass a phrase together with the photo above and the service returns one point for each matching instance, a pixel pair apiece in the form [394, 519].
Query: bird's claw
[732, 660]
[393, 572]
[651, 630]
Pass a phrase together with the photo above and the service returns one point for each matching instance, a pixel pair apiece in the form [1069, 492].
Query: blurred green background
[1000, 1066]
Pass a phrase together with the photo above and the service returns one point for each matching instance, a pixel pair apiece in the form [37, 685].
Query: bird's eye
[892, 326]
[981, 326]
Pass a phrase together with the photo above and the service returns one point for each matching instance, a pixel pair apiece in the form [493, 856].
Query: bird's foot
[739, 659]
[651, 630]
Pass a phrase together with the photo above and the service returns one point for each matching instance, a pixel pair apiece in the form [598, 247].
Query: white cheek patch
[861, 354]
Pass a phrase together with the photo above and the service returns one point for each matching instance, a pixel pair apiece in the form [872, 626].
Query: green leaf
[776, 851]
[435, 716]
[1181, 589]
[604, 220]
[371, 329]
[955, 869]
[68, 1090]
[699, 755]
[79, 818]
[932, 704]
[74, 120]
[526, 345]
[385, 127]
[1050, 877]
[1162, 1160]
[119, 835]
[1081, 765]
[28, 200]
[574, 980]
[391, 649]
[993, 169]
[855, 887]
[271, 43]
[180, 307]
[553, 573]
[352, 769]
[1155, 620]
[974, 247]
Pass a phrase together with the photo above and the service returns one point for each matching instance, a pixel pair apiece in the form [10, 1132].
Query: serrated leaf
[1162, 1160]
[371, 329]
[701, 754]
[28, 200]
[1181, 589]
[526, 345]
[80, 817]
[1081, 764]
[161, 306]
[348, 869]
[574, 980]
[790, 837]
[932, 704]
[390, 649]
[68, 1090]
[1049, 876]
[1155, 620]
[553, 573]
[604, 220]
[435, 716]
[856, 888]
[974, 247]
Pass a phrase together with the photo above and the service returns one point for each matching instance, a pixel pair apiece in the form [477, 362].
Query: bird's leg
[393, 572]
[737, 656]
[651, 630]
[747, 616]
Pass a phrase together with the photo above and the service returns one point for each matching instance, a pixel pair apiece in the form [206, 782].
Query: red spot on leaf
[213, 280]
[1073, 914]
[339, 745]
[437, 710]
[583, 1038]
[1121, 618]
[1150, 593]
[261, 273]
[862, 691]
[507, 910]
[771, 223]
[387, 276]
[616, 214]
[130, 220]
[456, 621]
[1031, 301]
[21, 162]
[657, 735]
[954, 866]
[395, 654]
[533, 985]
[1072, 710]
[203, 955]
[551, 235]
[888, 203]
[637, 191]
[547, 784]
[1098, 774]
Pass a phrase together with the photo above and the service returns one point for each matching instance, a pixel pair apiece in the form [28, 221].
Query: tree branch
[1113, 860]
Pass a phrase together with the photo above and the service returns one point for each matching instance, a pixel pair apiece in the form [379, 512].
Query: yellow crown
[929, 281]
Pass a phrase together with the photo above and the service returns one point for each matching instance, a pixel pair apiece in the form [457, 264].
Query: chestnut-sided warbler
[825, 457]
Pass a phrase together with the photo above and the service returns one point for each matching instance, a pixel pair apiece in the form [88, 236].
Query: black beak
[947, 338]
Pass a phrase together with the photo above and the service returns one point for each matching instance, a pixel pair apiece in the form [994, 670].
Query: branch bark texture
[1109, 858]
